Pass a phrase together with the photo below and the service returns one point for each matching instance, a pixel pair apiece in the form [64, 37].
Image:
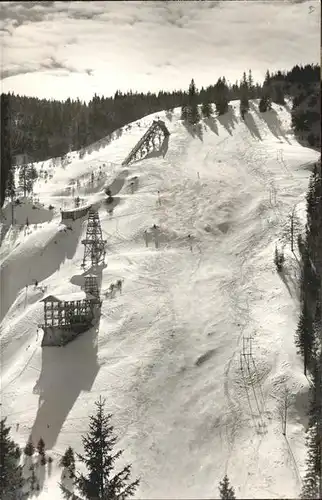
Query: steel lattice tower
[94, 244]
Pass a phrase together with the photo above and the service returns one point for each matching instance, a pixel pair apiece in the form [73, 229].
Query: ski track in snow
[167, 353]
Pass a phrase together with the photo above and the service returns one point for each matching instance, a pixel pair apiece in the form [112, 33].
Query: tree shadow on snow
[212, 124]
[273, 123]
[37, 266]
[291, 283]
[251, 125]
[228, 120]
[194, 130]
[118, 183]
[65, 373]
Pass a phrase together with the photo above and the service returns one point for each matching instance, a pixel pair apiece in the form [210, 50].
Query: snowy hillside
[166, 354]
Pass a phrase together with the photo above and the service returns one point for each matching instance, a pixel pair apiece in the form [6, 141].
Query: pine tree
[278, 94]
[244, 97]
[184, 113]
[11, 480]
[250, 83]
[99, 483]
[68, 460]
[221, 96]
[29, 449]
[312, 480]
[206, 109]
[226, 491]
[304, 336]
[41, 447]
[33, 479]
[265, 104]
[193, 115]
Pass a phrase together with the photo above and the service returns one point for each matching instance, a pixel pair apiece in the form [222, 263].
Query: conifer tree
[206, 109]
[29, 449]
[244, 97]
[11, 480]
[250, 83]
[221, 96]
[192, 108]
[265, 104]
[68, 461]
[184, 112]
[226, 491]
[304, 336]
[41, 447]
[312, 485]
[98, 457]
[278, 94]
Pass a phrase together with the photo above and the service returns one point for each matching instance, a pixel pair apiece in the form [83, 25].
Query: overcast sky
[74, 49]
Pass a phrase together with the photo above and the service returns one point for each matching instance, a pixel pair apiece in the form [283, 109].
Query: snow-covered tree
[226, 491]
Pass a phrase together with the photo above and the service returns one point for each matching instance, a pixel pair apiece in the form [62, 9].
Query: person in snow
[190, 242]
[146, 237]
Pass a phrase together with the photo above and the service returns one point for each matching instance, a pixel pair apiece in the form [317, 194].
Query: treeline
[94, 480]
[46, 129]
[309, 331]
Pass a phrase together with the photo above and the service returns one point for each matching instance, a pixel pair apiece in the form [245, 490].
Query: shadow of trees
[212, 124]
[251, 125]
[194, 130]
[228, 120]
[272, 121]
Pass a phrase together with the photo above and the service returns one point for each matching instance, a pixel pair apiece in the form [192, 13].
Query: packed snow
[166, 354]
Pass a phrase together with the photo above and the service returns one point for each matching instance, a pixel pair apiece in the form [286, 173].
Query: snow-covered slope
[166, 354]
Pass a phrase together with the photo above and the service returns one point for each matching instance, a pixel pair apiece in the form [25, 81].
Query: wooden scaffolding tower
[156, 131]
[94, 250]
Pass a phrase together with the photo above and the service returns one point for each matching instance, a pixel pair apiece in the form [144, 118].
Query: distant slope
[167, 353]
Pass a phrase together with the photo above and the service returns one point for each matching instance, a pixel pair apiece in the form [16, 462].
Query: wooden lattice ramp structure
[65, 319]
[157, 130]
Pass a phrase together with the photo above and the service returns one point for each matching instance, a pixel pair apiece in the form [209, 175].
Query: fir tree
[192, 108]
[265, 104]
[68, 461]
[193, 115]
[99, 483]
[304, 336]
[226, 491]
[29, 449]
[11, 480]
[184, 113]
[278, 94]
[41, 447]
[244, 98]
[221, 99]
[312, 480]
[206, 109]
